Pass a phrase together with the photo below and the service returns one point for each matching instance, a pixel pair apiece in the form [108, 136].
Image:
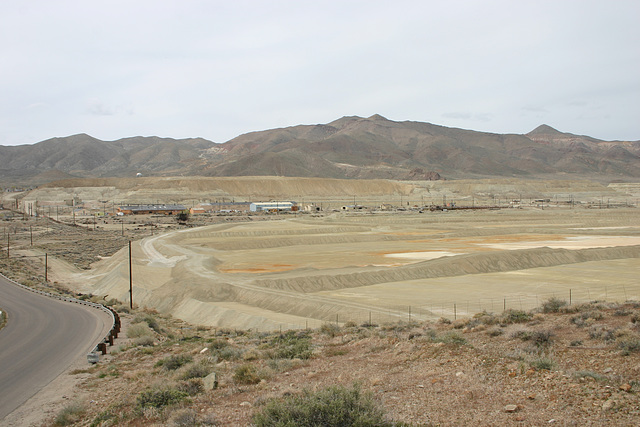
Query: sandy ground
[303, 271]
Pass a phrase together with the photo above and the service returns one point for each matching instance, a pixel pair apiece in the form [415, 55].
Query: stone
[609, 404]
[625, 387]
[210, 381]
[511, 408]
[608, 370]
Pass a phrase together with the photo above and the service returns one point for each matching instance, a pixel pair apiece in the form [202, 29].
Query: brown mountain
[350, 147]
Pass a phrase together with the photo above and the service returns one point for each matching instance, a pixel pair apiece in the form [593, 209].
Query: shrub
[150, 321]
[486, 318]
[191, 386]
[157, 398]
[174, 362]
[246, 374]
[590, 374]
[368, 324]
[330, 329]
[333, 406]
[515, 316]
[494, 332]
[228, 353]
[629, 345]
[145, 341]
[586, 318]
[553, 305]
[543, 363]
[185, 418]
[218, 344]
[105, 416]
[542, 338]
[450, 338]
[138, 330]
[70, 414]
[601, 332]
[292, 345]
[196, 370]
[523, 334]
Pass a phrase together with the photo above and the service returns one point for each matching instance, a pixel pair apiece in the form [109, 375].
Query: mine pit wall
[452, 266]
[269, 304]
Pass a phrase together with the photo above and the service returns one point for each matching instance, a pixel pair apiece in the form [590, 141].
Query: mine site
[359, 269]
[386, 257]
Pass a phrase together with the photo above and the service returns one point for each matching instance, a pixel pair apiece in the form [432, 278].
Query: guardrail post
[102, 347]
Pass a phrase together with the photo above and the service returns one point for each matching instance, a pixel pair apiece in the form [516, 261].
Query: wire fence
[452, 310]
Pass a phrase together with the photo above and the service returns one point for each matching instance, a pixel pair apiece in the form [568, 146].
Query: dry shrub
[70, 414]
[333, 406]
[138, 330]
[246, 374]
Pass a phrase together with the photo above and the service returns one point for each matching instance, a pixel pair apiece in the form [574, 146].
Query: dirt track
[304, 271]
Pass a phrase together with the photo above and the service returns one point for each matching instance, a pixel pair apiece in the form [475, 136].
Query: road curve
[42, 338]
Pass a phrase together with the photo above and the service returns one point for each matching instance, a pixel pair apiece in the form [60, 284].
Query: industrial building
[220, 207]
[150, 209]
[273, 206]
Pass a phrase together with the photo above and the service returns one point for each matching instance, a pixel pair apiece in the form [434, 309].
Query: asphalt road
[42, 338]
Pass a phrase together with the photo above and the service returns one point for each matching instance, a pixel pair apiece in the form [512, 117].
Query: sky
[219, 69]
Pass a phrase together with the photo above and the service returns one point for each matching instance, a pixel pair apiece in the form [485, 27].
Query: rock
[245, 403]
[511, 408]
[625, 387]
[608, 370]
[210, 381]
[609, 404]
[204, 350]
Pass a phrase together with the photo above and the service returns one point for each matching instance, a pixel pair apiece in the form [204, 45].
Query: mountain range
[350, 147]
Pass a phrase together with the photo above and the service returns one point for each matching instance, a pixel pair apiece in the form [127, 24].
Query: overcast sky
[218, 69]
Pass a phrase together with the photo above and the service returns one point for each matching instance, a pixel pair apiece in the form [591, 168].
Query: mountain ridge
[348, 147]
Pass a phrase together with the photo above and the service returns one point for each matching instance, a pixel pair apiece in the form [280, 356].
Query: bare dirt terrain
[337, 273]
[300, 272]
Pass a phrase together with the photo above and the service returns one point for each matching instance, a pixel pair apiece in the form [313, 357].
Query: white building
[272, 206]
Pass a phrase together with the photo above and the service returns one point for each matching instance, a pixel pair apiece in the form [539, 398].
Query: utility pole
[130, 280]
[46, 268]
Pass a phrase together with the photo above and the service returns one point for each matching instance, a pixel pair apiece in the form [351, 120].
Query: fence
[452, 310]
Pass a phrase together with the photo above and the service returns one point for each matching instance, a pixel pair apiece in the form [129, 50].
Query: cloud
[459, 115]
[98, 108]
[535, 109]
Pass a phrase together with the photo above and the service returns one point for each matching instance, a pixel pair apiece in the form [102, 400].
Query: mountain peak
[544, 129]
[377, 117]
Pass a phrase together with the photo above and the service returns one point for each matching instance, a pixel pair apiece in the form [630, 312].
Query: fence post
[569, 296]
[455, 312]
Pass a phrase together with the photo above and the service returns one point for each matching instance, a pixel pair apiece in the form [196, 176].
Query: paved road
[42, 338]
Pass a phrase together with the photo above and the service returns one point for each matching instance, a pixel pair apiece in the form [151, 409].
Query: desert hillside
[350, 147]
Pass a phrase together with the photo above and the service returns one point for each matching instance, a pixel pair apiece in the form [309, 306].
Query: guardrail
[101, 347]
